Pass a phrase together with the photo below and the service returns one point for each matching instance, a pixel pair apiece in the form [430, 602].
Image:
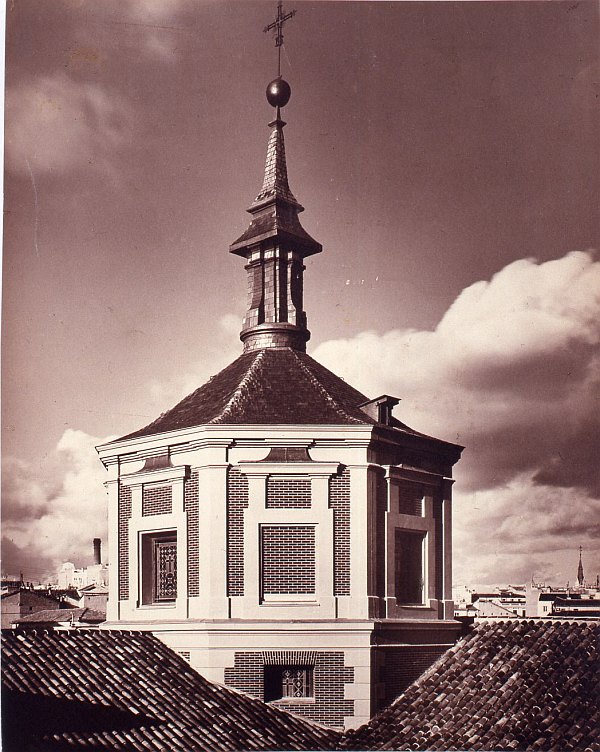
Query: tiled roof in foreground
[508, 685]
[269, 386]
[115, 690]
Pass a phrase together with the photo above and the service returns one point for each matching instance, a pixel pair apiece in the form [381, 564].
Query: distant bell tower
[580, 577]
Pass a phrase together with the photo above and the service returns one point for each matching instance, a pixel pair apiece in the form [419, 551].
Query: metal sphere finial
[278, 92]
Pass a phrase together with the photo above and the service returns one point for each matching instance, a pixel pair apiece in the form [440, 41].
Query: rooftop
[267, 386]
[273, 387]
[514, 684]
[510, 685]
[59, 615]
[127, 691]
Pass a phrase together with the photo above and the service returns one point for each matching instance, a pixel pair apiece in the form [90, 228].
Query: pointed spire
[275, 183]
[275, 246]
[580, 578]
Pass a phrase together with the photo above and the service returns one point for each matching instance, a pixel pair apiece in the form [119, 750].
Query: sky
[447, 157]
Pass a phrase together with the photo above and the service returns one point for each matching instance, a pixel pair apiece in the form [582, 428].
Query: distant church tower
[286, 534]
[580, 577]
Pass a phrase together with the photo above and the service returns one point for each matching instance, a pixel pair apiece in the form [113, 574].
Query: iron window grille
[159, 567]
[288, 683]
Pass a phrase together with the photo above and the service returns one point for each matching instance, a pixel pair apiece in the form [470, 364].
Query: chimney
[380, 408]
[97, 551]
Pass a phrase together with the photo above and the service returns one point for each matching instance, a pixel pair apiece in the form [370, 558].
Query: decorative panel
[191, 503]
[339, 501]
[124, 516]
[411, 499]
[288, 493]
[288, 559]
[237, 501]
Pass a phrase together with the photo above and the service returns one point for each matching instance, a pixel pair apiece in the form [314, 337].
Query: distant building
[23, 602]
[63, 618]
[95, 597]
[506, 603]
[69, 576]
[576, 607]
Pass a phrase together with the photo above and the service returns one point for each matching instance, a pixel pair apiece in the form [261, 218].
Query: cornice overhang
[414, 440]
[230, 435]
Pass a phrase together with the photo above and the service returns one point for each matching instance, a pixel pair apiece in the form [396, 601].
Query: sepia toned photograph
[301, 375]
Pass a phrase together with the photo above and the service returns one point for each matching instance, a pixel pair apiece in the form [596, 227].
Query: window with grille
[409, 567]
[288, 683]
[159, 567]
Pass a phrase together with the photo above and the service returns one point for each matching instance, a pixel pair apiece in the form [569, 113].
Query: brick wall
[439, 549]
[157, 500]
[288, 493]
[400, 666]
[328, 707]
[237, 501]
[124, 515]
[190, 501]
[288, 559]
[380, 544]
[339, 501]
[411, 499]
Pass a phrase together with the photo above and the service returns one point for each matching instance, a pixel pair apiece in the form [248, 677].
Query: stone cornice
[155, 476]
[313, 469]
[227, 436]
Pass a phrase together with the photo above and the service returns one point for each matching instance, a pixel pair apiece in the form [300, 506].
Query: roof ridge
[315, 381]
[238, 395]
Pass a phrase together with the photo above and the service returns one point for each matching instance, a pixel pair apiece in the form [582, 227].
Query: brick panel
[237, 501]
[329, 706]
[401, 666]
[157, 500]
[288, 493]
[439, 549]
[288, 559]
[339, 501]
[191, 502]
[411, 499]
[124, 516]
[380, 540]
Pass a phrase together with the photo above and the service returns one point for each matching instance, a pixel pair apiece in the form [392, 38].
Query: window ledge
[415, 606]
[289, 603]
[293, 701]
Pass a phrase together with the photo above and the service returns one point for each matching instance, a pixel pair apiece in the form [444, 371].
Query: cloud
[522, 530]
[512, 371]
[224, 349]
[155, 10]
[55, 122]
[52, 512]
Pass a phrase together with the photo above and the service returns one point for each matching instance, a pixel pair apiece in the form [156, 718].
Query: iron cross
[277, 24]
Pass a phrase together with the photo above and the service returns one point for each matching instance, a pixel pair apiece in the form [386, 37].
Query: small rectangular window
[159, 567]
[288, 683]
[409, 567]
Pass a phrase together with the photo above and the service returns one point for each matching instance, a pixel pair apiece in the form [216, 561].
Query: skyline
[445, 155]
